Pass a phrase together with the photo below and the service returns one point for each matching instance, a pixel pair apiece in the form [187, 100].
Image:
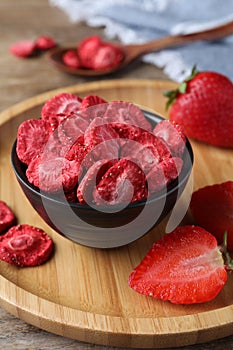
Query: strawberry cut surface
[25, 245]
[212, 208]
[184, 267]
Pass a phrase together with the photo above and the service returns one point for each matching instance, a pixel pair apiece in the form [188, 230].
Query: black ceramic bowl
[103, 227]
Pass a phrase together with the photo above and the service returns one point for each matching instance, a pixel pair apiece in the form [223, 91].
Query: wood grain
[82, 293]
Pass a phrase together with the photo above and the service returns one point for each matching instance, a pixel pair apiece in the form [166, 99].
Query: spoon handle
[134, 51]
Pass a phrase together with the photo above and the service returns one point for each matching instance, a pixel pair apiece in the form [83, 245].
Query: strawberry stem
[228, 259]
[182, 88]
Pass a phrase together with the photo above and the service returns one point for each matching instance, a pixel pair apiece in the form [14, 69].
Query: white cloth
[137, 21]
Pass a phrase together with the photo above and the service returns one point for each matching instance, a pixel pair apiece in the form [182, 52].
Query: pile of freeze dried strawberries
[99, 152]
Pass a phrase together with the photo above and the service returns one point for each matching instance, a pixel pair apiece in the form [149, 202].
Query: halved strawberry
[212, 208]
[107, 56]
[25, 245]
[7, 217]
[87, 49]
[184, 267]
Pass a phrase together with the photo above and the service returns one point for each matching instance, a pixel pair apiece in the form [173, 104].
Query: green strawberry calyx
[228, 259]
[182, 88]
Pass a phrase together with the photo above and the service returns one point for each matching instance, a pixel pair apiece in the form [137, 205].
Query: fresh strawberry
[7, 217]
[71, 59]
[185, 267]
[212, 208]
[203, 106]
[45, 42]
[23, 48]
[25, 245]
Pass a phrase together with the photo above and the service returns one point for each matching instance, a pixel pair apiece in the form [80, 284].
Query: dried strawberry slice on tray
[25, 245]
[124, 182]
[32, 136]
[7, 217]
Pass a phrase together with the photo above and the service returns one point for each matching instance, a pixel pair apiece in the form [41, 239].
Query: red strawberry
[87, 49]
[32, 137]
[184, 267]
[203, 106]
[25, 245]
[52, 174]
[107, 56]
[45, 42]
[173, 135]
[124, 182]
[92, 100]
[23, 48]
[212, 208]
[91, 180]
[59, 107]
[7, 217]
[71, 59]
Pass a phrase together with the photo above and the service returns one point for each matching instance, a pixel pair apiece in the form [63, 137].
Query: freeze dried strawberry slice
[71, 59]
[53, 174]
[91, 100]
[7, 217]
[124, 182]
[59, 107]
[25, 245]
[45, 42]
[87, 49]
[93, 112]
[163, 173]
[173, 135]
[32, 137]
[212, 208]
[72, 128]
[127, 113]
[145, 149]
[23, 48]
[91, 179]
[101, 140]
[106, 56]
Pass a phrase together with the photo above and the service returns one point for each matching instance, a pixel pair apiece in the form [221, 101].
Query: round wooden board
[82, 293]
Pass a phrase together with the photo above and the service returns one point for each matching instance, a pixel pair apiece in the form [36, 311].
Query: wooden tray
[82, 293]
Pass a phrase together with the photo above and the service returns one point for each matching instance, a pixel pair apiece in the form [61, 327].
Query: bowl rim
[163, 193]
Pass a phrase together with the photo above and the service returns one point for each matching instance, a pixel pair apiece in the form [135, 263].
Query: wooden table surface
[21, 79]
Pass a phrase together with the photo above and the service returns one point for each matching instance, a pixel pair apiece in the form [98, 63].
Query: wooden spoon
[131, 52]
